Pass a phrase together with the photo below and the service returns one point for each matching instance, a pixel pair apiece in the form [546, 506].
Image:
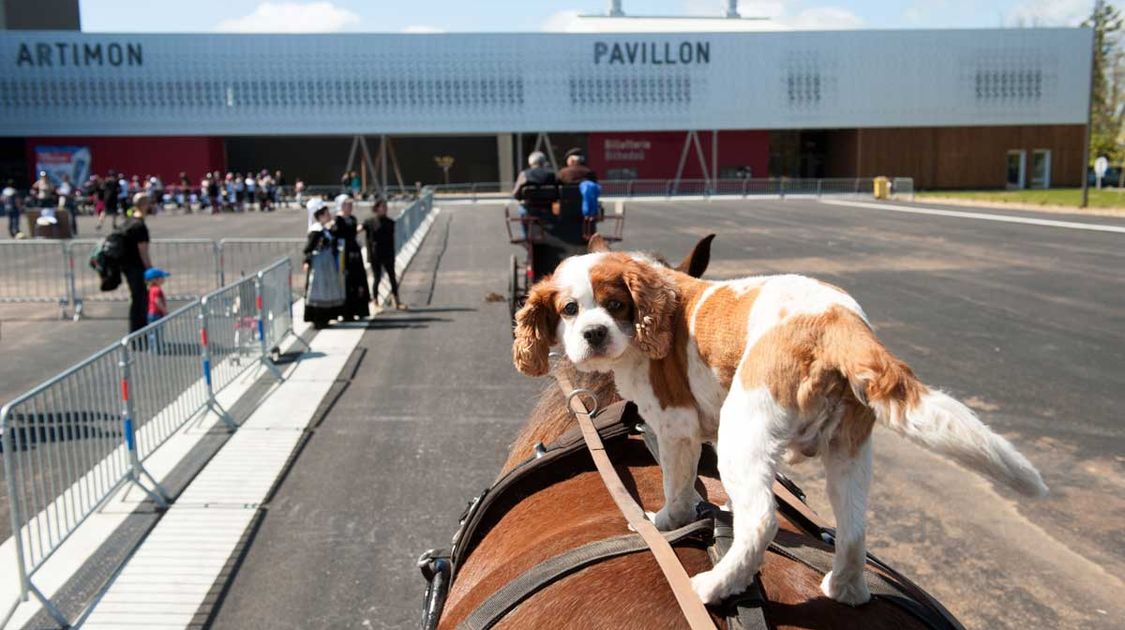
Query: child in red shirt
[157, 305]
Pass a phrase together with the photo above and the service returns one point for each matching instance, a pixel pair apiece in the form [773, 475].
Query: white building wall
[58, 83]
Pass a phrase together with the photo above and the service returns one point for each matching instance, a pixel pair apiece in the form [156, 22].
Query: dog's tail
[926, 416]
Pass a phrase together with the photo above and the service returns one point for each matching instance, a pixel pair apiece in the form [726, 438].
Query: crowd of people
[109, 195]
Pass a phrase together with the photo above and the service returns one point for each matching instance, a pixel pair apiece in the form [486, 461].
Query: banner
[58, 161]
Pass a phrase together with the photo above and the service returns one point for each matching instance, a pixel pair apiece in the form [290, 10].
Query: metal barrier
[903, 187]
[195, 263]
[34, 271]
[239, 257]
[72, 442]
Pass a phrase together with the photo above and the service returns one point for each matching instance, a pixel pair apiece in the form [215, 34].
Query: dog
[758, 366]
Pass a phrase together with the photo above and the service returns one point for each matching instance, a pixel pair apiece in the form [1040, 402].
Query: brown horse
[573, 509]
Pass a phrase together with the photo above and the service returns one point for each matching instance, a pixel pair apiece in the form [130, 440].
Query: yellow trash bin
[882, 188]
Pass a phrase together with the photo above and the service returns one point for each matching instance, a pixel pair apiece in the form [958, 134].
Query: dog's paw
[666, 520]
[852, 592]
[711, 587]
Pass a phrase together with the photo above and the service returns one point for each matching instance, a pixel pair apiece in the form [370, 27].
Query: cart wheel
[513, 292]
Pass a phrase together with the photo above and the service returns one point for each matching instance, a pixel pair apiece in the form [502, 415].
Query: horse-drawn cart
[552, 227]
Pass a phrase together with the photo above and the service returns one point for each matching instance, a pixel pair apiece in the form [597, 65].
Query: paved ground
[1025, 323]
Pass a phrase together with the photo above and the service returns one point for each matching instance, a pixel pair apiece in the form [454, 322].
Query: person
[265, 191]
[157, 303]
[213, 193]
[279, 189]
[324, 287]
[43, 191]
[135, 260]
[379, 231]
[299, 192]
[111, 199]
[346, 228]
[354, 184]
[66, 195]
[536, 173]
[12, 204]
[183, 195]
[576, 170]
[122, 194]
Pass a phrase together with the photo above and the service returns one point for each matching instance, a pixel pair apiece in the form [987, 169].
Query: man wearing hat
[576, 170]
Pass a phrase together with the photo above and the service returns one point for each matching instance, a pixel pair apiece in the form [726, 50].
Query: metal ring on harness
[580, 391]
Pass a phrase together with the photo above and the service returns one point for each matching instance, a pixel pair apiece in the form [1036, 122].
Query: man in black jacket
[379, 231]
[135, 260]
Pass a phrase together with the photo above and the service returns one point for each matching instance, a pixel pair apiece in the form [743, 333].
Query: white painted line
[1070, 225]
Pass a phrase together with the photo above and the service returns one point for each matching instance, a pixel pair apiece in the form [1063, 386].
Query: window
[1041, 168]
[1017, 167]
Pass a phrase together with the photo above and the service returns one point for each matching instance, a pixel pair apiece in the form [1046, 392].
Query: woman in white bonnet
[324, 282]
[346, 228]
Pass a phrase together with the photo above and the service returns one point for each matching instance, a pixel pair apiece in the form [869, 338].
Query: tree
[1107, 116]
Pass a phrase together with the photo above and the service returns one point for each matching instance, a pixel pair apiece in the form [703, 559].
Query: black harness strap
[611, 424]
[551, 570]
[878, 584]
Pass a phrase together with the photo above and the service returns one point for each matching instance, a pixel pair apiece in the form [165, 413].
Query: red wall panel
[656, 154]
[164, 156]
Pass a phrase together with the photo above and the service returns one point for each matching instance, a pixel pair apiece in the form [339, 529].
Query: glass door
[1041, 168]
[1017, 167]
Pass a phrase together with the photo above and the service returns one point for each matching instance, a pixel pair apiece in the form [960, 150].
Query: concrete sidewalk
[170, 575]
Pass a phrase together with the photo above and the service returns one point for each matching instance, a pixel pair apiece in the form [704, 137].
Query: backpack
[105, 259]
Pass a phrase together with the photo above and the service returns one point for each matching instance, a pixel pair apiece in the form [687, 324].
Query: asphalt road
[1024, 323]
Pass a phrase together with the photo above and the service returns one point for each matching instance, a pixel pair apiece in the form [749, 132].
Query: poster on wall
[58, 161]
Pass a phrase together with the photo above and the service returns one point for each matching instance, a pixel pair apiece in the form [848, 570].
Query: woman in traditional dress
[346, 228]
[324, 282]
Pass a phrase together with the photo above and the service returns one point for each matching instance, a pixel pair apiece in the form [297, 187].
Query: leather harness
[712, 530]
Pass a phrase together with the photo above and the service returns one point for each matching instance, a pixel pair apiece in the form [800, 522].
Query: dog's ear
[535, 330]
[597, 244]
[655, 300]
[695, 263]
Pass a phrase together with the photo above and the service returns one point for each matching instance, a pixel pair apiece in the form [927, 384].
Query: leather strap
[694, 611]
[551, 570]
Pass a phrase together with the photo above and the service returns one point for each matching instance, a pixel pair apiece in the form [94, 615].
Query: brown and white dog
[757, 366]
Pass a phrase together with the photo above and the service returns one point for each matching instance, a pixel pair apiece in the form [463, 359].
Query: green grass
[1104, 198]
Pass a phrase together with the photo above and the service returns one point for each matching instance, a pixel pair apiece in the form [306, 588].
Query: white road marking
[1071, 225]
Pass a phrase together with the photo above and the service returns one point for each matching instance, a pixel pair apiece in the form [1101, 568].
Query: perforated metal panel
[56, 83]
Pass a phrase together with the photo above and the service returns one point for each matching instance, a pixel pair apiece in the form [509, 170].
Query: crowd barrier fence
[72, 442]
[902, 188]
[58, 271]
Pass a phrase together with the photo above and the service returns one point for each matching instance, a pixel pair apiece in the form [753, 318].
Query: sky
[396, 16]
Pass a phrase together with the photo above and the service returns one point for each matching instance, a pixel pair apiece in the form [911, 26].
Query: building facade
[951, 108]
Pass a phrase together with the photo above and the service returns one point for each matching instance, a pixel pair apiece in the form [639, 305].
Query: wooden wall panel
[954, 157]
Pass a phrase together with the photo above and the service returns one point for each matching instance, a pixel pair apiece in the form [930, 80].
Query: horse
[563, 505]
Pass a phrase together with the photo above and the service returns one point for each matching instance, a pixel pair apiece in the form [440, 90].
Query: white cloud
[772, 9]
[422, 28]
[824, 18]
[291, 17]
[561, 21]
[1048, 13]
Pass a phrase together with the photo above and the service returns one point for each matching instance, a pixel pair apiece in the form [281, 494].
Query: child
[157, 305]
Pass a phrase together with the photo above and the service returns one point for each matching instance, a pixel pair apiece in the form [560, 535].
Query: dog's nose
[595, 335]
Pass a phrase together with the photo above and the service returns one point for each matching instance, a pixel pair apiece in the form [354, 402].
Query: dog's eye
[571, 309]
[614, 305]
